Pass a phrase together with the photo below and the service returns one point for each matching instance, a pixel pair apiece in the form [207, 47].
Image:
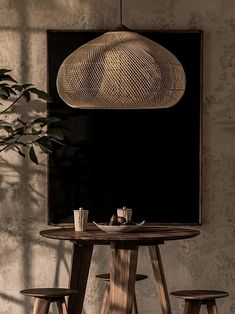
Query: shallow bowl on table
[119, 228]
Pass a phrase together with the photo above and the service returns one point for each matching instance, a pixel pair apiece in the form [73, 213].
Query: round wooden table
[123, 262]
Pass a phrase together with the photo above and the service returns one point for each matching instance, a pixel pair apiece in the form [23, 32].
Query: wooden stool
[195, 298]
[43, 297]
[105, 303]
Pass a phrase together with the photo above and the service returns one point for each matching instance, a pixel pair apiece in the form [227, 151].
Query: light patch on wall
[9, 161]
[10, 58]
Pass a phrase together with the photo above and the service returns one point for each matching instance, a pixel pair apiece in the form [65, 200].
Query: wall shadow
[17, 187]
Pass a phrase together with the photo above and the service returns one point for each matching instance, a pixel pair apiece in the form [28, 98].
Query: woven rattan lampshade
[121, 70]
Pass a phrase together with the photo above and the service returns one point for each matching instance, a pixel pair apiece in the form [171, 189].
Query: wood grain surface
[199, 294]
[143, 236]
[123, 262]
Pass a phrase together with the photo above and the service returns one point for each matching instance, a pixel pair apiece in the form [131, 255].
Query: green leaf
[41, 94]
[7, 128]
[33, 155]
[17, 87]
[51, 120]
[22, 122]
[19, 151]
[4, 92]
[3, 71]
[6, 77]
[55, 133]
[41, 120]
[10, 90]
[4, 97]
[46, 120]
[44, 149]
[57, 141]
[46, 142]
[27, 85]
[36, 132]
[26, 94]
[20, 130]
[21, 87]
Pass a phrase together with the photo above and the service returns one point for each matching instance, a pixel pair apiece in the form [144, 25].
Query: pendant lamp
[121, 70]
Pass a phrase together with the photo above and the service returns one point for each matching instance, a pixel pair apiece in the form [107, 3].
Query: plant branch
[11, 105]
[25, 144]
[11, 143]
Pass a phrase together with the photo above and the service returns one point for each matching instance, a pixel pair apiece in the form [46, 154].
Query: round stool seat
[48, 293]
[106, 277]
[43, 297]
[199, 294]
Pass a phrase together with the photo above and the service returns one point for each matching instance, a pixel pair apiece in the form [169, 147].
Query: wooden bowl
[119, 228]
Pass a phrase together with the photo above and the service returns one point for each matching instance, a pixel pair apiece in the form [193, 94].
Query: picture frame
[149, 160]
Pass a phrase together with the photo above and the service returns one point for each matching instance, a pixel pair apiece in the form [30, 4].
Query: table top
[144, 236]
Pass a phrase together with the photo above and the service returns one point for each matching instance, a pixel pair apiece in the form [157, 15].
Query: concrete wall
[207, 261]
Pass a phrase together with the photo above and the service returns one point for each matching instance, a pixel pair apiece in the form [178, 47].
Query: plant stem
[25, 144]
[11, 105]
[12, 143]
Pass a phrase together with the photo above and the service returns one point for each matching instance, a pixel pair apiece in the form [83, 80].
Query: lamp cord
[120, 2]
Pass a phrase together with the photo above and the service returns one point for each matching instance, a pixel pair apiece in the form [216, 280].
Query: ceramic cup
[80, 219]
[125, 212]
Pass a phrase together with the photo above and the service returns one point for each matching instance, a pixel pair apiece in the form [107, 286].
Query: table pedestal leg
[123, 265]
[81, 260]
[105, 303]
[160, 280]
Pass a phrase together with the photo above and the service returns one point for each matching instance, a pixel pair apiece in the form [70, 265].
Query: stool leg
[212, 308]
[41, 306]
[192, 307]
[134, 306]
[62, 307]
[105, 302]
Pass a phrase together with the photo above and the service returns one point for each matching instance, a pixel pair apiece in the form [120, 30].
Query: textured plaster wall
[204, 262]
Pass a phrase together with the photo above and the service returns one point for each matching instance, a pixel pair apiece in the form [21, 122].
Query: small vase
[125, 212]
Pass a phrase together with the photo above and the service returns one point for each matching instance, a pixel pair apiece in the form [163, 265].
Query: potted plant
[25, 136]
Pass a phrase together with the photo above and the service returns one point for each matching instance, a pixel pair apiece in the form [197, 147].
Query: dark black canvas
[148, 160]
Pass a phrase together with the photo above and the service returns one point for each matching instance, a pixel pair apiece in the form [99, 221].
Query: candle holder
[80, 219]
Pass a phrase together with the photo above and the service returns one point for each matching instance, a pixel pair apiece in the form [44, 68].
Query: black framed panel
[149, 160]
